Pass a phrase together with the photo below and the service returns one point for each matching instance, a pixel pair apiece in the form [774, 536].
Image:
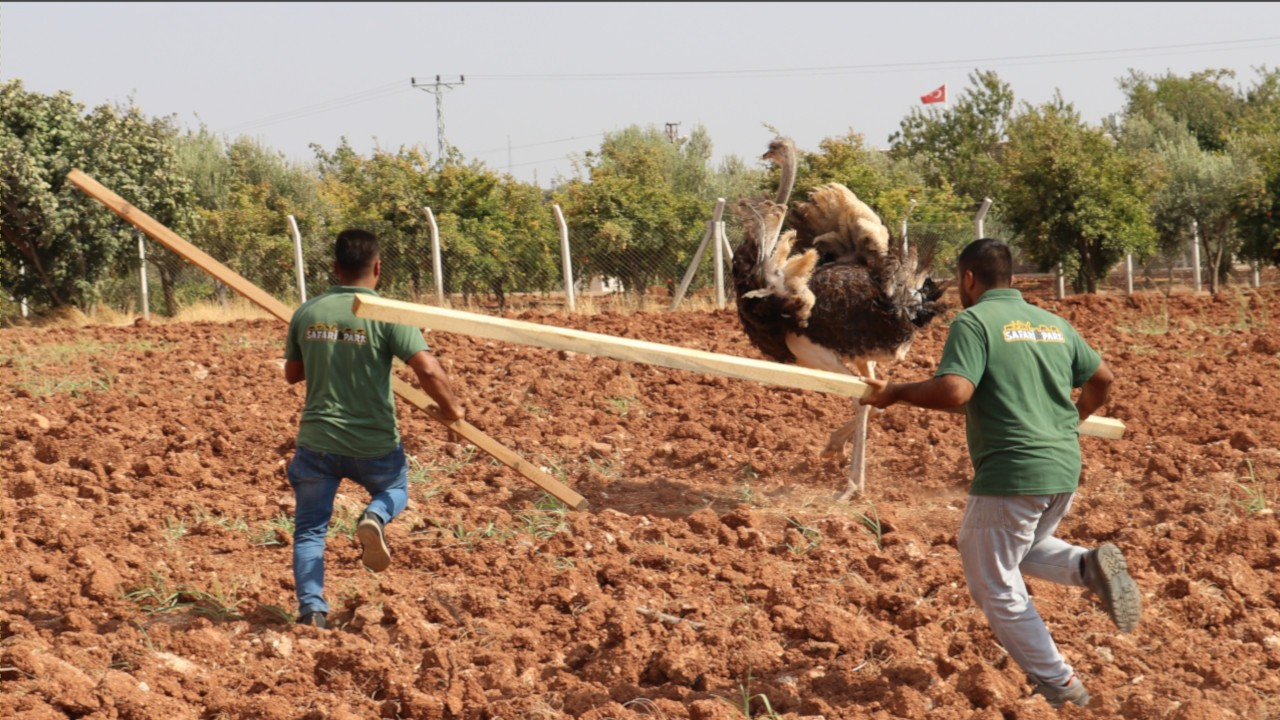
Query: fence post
[980, 217]
[697, 255]
[728, 249]
[437, 268]
[1061, 284]
[718, 247]
[22, 270]
[297, 259]
[142, 278]
[566, 260]
[1195, 251]
[1128, 273]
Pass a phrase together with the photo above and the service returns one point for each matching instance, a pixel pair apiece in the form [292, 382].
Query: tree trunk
[1215, 261]
[167, 281]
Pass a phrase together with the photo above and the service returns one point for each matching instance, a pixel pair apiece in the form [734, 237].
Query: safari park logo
[1023, 331]
[332, 332]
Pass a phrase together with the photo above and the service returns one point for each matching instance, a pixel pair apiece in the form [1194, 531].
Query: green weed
[76, 388]
[175, 528]
[343, 522]
[1255, 500]
[269, 534]
[621, 406]
[742, 702]
[612, 468]
[544, 519]
[277, 614]
[459, 535]
[812, 538]
[421, 477]
[159, 595]
[872, 524]
[202, 516]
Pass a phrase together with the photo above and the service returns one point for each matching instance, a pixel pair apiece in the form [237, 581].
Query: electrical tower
[439, 88]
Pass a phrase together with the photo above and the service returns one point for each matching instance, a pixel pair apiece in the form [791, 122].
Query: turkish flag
[937, 96]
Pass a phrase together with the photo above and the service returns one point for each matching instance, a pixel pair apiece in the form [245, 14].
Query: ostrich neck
[788, 179]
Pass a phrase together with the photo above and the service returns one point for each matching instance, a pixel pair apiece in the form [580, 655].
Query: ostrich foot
[835, 448]
[850, 492]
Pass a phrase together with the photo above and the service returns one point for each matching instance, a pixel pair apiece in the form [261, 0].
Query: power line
[1077, 56]
[363, 96]
[539, 162]
[538, 144]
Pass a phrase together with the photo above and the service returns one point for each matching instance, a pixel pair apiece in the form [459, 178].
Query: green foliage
[68, 243]
[961, 144]
[1202, 102]
[497, 235]
[641, 210]
[1073, 196]
[1258, 137]
[1201, 176]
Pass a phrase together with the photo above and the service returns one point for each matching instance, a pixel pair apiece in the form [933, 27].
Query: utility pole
[439, 88]
[673, 132]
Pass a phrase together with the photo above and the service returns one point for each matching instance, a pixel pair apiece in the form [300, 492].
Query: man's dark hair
[989, 260]
[355, 251]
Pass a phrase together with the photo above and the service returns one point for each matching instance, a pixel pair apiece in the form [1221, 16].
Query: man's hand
[883, 393]
[434, 380]
[940, 393]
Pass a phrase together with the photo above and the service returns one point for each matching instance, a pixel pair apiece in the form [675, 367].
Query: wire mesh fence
[486, 271]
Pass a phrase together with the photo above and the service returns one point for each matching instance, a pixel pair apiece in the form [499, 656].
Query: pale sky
[296, 73]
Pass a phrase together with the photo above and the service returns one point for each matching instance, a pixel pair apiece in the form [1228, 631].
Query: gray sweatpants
[1002, 537]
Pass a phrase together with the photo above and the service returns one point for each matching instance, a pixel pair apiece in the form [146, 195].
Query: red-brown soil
[143, 576]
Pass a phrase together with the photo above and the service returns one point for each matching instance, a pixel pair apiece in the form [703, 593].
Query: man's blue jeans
[315, 477]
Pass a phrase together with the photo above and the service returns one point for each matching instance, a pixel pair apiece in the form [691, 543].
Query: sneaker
[315, 618]
[377, 556]
[1106, 574]
[1059, 695]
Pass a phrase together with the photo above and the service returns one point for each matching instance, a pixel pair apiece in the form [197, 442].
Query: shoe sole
[376, 556]
[1120, 593]
[1056, 701]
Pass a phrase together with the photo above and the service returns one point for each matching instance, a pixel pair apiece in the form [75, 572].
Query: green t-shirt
[349, 409]
[1022, 426]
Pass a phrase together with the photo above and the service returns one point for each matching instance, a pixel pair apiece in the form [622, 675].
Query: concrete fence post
[566, 260]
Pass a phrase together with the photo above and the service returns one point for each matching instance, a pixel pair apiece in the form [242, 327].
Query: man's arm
[434, 380]
[1093, 394]
[940, 393]
[294, 372]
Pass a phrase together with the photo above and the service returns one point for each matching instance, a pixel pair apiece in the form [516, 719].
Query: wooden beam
[1102, 427]
[256, 295]
[641, 351]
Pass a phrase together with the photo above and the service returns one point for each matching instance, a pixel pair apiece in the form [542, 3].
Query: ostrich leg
[858, 463]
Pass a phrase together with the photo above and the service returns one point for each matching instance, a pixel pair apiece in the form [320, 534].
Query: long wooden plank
[1102, 427]
[641, 351]
[256, 295]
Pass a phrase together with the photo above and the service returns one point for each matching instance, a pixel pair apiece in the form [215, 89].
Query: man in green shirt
[1012, 367]
[348, 426]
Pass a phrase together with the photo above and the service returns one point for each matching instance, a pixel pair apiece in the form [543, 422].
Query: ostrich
[843, 298]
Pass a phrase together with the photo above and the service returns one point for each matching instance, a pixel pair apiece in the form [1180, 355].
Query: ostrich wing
[854, 316]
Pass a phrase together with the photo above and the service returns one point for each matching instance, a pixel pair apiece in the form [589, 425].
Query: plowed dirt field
[145, 530]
